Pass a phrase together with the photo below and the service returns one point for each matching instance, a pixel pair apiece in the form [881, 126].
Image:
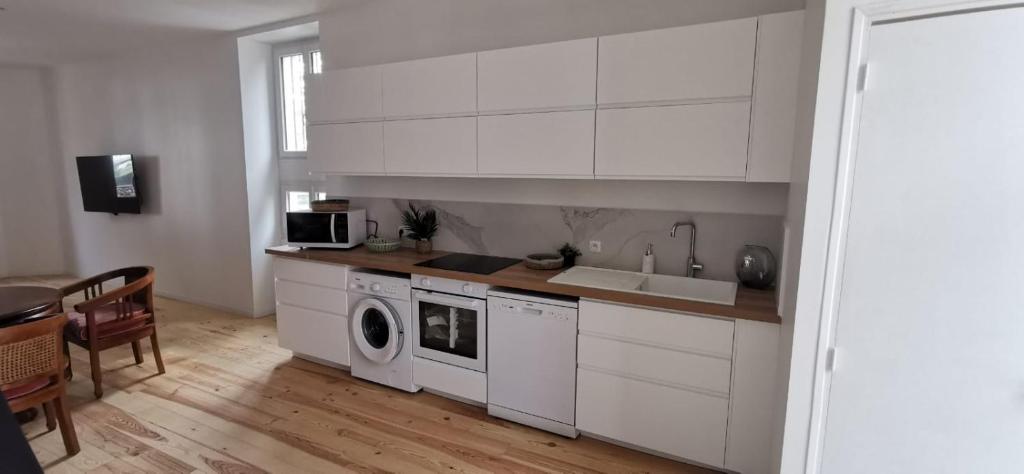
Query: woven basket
[329, 205]
[382, 245]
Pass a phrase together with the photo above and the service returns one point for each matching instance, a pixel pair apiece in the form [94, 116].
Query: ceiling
[60, 31]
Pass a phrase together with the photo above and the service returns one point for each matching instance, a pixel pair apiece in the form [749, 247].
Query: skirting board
[208, 304]
[652, 452]
[527, 419]
[317, 360]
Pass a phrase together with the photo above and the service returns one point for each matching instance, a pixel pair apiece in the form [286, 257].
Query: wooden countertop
[755, 305]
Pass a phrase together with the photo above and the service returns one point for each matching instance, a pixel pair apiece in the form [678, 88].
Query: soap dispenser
[648, 262]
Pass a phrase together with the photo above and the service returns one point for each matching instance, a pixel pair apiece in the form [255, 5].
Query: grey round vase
[756, 267]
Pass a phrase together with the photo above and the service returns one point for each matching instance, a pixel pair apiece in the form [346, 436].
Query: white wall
[255, 73]
[178, 110]
[384, 31]
[32, 203]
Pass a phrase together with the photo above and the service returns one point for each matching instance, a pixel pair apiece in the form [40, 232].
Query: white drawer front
[321, 335]
[328, 300]
[665, 419]
[322, 274]
[688, 333]
[463, 383]
[698, 372]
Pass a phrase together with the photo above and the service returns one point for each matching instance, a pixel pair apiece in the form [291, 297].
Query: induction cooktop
[470, 263]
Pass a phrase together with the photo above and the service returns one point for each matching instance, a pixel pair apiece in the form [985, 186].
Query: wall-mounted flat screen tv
[108, 184]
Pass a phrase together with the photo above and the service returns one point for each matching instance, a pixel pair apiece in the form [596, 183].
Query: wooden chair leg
[97, 372]
[137, 350]
[67, 428]
[51, 418]
[156, 352]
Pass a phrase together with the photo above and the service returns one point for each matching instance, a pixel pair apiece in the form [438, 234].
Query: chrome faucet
[692, 267]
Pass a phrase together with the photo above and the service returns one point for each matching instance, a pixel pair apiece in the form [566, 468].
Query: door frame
[826, 356]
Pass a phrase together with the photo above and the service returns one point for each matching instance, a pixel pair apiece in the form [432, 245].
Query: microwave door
[310, 228]
[339, 228]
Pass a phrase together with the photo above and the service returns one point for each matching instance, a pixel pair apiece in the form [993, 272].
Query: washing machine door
[377, 330]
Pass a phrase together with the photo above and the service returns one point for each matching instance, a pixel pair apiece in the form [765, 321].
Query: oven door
[450, 329]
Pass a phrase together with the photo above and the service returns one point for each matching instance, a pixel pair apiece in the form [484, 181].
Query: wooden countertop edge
[753, 305]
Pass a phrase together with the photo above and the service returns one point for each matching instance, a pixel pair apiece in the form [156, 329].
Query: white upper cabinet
[547, 76]
[779, 40]
[430, 147]
[349, 148]
[701, 142]
[430, 87]
[345, 95]
[552, 144]
[708, 61]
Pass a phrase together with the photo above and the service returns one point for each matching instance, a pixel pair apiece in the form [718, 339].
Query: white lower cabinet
[687, 386]
[312, 309]
[313, 333]
[653, 416]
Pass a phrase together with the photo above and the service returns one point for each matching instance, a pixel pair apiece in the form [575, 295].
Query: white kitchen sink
[695, 289]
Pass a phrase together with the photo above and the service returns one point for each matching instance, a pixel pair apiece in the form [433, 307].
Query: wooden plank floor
[233, 402]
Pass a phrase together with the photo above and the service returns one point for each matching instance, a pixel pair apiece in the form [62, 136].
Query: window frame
[306, 48]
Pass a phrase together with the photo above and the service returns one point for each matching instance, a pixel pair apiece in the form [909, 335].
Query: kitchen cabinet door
[430, 147]
[344, 95]
[700, 142]
[712, 60]
[313, 333]
[553, 144]
[444, 86]
[662, 418]
[779, 38]
[351, 148]
[752, 413]
[546, 76]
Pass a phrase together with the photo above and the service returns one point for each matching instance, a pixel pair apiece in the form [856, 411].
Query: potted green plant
[421, 225]
[569, 253]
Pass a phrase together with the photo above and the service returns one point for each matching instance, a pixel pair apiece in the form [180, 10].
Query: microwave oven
[345, 229]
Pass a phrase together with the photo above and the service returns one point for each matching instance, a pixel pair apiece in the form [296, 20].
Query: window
[294, 62]
[297, 200]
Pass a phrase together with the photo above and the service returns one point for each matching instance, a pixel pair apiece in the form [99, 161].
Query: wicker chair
[32, 373]
[113, 318]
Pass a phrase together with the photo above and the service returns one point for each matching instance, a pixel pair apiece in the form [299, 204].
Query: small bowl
[382, 245]
[544, 261]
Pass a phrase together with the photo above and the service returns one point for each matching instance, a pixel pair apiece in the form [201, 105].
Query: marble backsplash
[515, 230]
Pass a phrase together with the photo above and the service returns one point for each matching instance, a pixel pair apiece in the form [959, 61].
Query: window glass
[316, 65]
[298, 201]
[293, 102]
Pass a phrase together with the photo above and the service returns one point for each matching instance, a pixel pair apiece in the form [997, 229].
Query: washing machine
[380, 316]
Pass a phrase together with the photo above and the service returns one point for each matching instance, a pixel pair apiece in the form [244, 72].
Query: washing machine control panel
[380, 285]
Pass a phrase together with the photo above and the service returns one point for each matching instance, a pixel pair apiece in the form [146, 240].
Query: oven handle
[446, 299]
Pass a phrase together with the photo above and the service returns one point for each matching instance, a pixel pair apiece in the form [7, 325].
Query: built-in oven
[450, 321]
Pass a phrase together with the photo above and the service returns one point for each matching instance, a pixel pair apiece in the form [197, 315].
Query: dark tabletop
[21, 302]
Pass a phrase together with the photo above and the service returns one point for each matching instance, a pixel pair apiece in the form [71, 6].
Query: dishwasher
[531, 354]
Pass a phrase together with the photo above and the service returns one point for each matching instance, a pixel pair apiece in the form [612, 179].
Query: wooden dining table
[20, 304]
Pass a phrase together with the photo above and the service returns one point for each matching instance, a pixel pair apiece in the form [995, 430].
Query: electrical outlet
[595, 246]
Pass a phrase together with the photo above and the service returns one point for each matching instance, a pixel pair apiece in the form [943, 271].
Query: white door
[430, 147]
[929, 332]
